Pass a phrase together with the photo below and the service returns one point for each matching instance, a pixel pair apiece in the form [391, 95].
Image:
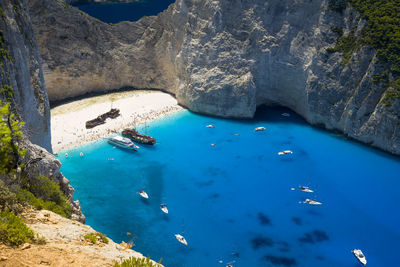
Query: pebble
[3, 258]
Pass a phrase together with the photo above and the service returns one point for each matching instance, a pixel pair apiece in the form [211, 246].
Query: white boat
[143, 194]
[210, 126]
[360, 256]
[285, 152]
[312, 202]
[285, 114]
[305, 189]
[259, 129]
[164, 208]
[122, 142]
[181, 239]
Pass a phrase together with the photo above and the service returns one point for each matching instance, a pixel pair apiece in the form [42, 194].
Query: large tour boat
[122, 142]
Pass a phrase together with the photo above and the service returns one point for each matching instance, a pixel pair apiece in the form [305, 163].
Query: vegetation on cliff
[137, 262]
[382, 32]
[18, 187]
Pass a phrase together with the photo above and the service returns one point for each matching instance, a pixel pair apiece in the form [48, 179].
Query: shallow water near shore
[233, 201]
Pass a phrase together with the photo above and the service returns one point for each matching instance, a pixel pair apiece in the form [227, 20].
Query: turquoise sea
[116, 12]
[233, 201]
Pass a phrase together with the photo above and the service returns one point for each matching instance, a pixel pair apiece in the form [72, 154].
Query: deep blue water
[233, 201]
[116, 12]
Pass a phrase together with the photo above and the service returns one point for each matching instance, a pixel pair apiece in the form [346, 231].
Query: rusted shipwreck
[112, 114]
[137, 137]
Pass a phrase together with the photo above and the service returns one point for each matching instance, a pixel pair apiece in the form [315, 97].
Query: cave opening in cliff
[277, 113]
[114, 11]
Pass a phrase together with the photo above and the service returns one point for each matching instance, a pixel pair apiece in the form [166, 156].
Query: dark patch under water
[264, 220]
[261, 241]
[315, 236]
[206, 183]
[297, 221]
[279, 260]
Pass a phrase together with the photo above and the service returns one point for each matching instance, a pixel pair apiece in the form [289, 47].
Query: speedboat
[305, 189]
[181, 239]
[312, 202]
[143, 194]
[122, 142]
[164, 208]
[259, 129]
[210, 126]
[360, 256]
[285, 114]
[285, 152]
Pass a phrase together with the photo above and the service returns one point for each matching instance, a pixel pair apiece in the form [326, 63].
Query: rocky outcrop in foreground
[225, 58]
[65, 245]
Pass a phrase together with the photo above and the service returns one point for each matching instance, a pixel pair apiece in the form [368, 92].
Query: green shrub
[13, 231]
[7, 198]
[97, 236]
[62, 208]
[136, 262]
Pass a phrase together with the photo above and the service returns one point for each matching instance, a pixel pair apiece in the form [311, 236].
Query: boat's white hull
[144, 195]
[181, 239]
[259, 129]
[164, 209]
[359, 256]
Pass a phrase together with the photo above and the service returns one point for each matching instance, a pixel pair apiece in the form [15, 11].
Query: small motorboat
[213, 144]
[311, 202]
[210, 126]
[305, 189]
[285, 114]
[181, 239]
[143, 194]
[259, 129]
[360, 256]
[164, 208]
[285, 152]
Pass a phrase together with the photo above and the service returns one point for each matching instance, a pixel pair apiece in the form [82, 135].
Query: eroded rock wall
[225, 58]
[22, 84]
[21, 70]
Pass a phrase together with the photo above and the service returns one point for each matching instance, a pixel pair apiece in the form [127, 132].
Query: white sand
[68, 121]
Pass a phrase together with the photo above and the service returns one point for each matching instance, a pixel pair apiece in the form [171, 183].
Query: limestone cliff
[21, 72]
[23, 86]
[225, 58]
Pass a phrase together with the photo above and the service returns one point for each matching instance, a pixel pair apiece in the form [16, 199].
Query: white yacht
[360, 256]
[312, 202]
[305, 189]
[259, 129]
[181, 239]
[210, 126]
[143, 194]
[164, 208]
[285, 152]
[122, 142]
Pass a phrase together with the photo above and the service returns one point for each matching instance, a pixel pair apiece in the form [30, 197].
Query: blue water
[116, 12]
[233, 201]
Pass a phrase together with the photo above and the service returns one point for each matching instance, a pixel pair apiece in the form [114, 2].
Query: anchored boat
[181, 239]
[312, 202]
[164, 208]
[138, 137]
[122, 142]
[285, 152]
[305, 189]
[143, 194]
[360, 256]
[259, 129]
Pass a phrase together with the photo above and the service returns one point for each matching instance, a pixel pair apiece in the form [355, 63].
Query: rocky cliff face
[23, 86]
[225, 58]
[21, 72]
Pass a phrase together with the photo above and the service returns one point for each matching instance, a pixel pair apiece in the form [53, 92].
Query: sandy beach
[68, 121]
